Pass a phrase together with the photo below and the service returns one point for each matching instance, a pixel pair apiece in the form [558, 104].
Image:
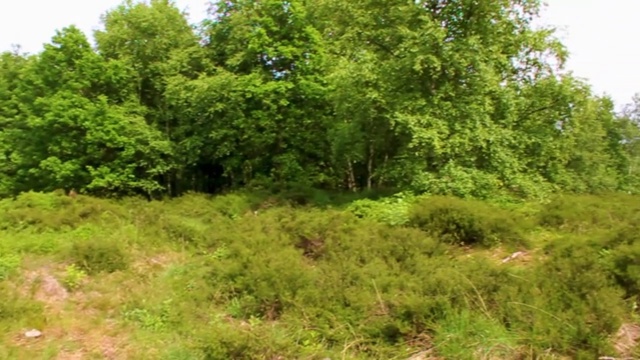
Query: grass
[209, 278]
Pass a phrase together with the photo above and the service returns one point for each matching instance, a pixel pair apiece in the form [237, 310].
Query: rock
[33, 333]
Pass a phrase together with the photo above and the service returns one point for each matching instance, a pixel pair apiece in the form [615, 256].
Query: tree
[152, 39]
[69, 134]
[268, 121]
[446, 97]
[11, 70]
[629, 130]
[430, 87]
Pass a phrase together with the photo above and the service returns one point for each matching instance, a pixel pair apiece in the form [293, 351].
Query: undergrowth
[257, 277]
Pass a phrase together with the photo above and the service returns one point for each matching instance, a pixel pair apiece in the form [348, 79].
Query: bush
[568, 302]
[263, 282]
[183, 229]
[221, 340]
[392, 210]
[621, 253]
[42, 212]
[94, 256]
[73, 277]
[8, 264]
[292, 282]
[469, 222]
[583, 212]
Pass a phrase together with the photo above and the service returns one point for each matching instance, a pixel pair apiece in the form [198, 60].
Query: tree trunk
[351, 177]
[384, 166]
[370, 167]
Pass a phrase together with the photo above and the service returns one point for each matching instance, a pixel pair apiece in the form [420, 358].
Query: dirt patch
[65, 355]
[157, 262]
[82, 341]
[44, 287]
[425, 355]
[96, 342]
[74, 324]
[109, 347]
[626, 339]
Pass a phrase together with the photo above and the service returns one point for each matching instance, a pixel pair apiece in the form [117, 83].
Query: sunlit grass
[202, 278]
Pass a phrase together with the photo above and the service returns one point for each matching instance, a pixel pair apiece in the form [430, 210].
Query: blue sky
[600, 34]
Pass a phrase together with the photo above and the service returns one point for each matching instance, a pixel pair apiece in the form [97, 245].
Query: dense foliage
[207, 278]
[369, 154]
[445, 97]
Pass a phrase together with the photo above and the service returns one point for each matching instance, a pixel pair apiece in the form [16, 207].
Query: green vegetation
[315, 179]
[206, 278]
[467, 221]
[462, 98]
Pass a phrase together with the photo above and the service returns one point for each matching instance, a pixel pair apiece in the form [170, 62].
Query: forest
[315, 180]
[462, 98]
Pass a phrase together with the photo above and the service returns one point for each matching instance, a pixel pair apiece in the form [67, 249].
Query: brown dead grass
[627, 339]
[74, 327]
[156, 262]
[81, 324]
[105, 341]
[425, 355]
[44, 287]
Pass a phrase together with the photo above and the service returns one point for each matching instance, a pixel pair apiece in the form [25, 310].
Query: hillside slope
[241, 277]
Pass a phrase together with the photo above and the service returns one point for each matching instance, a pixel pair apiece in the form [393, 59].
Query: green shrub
[27, 242]
[568, 302]
[177, 352]
[261, 282]
[622, 252]
[232, 205]
[152, 319]
[223, 341]
[470, 222]
[583, 212]
[42, 212]
[459, 181]
[38, 200]
[365, 283]
[73, 277]
[94, 256]
[8, 264]
[392, 210]
[300, 194]
[627, 268]
[183, 229]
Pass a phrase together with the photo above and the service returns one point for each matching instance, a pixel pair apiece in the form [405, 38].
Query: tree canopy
[454, 97]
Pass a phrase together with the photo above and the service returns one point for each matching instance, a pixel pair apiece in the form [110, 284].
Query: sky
[599, 34]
